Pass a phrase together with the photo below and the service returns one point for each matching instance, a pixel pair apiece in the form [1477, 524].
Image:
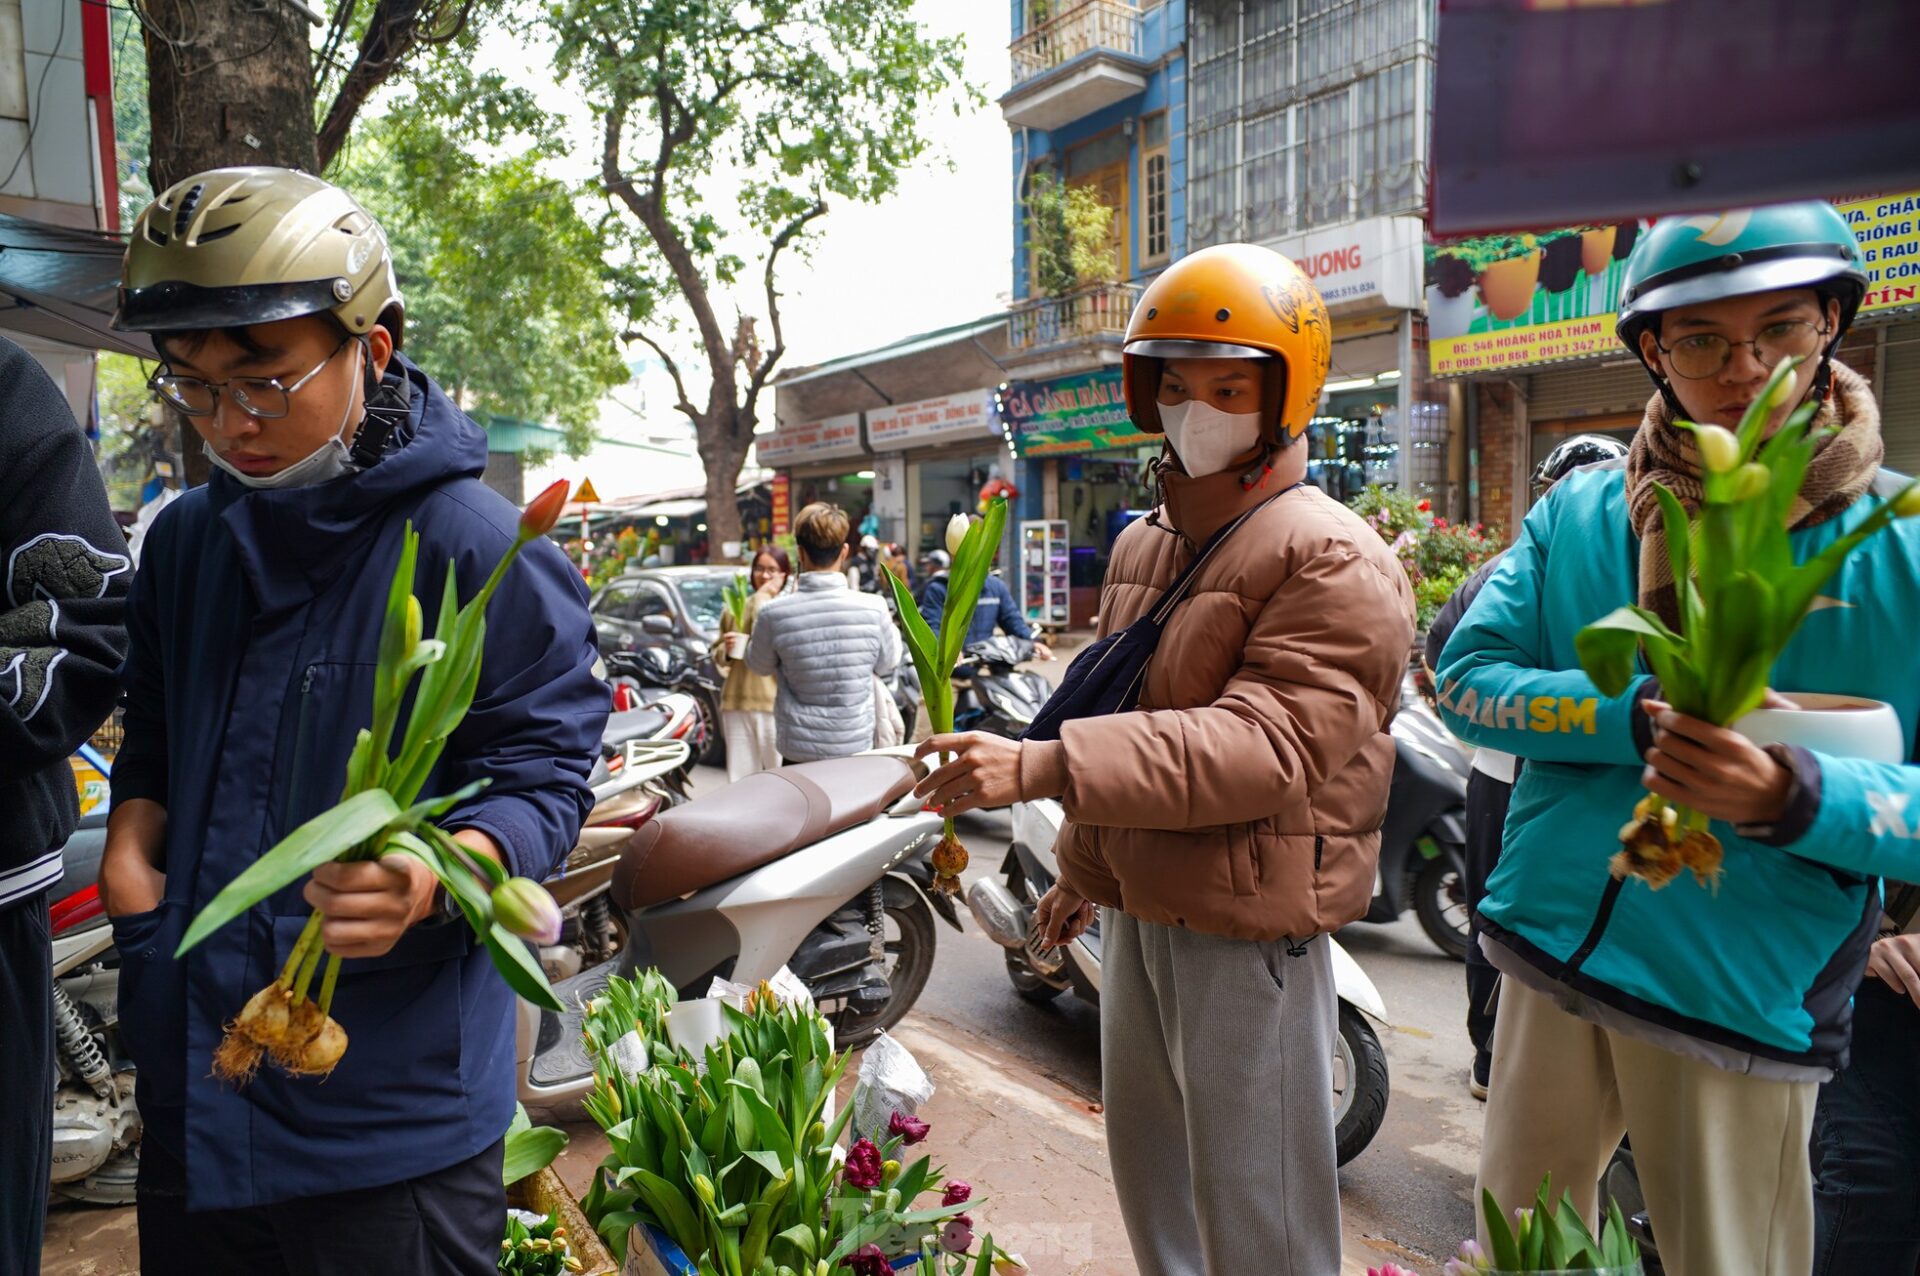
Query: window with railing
[1303, 113]
[1058, 31]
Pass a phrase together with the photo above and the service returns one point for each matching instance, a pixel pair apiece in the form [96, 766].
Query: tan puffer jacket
[1245, 796]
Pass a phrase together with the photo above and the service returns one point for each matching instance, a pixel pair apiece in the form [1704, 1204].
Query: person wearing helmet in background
[1232, 819]
[1699, 1019]
[1490, 784]
[253, 624]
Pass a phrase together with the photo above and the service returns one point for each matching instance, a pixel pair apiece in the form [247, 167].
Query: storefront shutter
[1900, 399]
[1593, 390]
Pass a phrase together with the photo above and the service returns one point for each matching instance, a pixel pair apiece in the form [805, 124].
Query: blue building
[1099, 102]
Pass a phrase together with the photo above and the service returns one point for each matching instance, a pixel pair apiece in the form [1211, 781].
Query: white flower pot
[1843, 726]
[1449, 317]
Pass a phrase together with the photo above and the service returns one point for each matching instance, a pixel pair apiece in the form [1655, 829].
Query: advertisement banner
[1368, 265]
[951, 416]
[1512, 301]
[782, 505]
[831, 439]
[1082, 413]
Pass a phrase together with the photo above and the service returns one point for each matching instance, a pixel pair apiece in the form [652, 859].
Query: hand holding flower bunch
[380, 815]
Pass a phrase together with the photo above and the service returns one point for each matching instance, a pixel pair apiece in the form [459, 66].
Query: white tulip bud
[956, 533]
[1719, 448]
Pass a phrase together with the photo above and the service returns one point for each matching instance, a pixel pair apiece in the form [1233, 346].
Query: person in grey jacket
[823, 644]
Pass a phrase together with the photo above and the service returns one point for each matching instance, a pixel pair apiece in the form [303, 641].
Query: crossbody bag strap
[1178, 589]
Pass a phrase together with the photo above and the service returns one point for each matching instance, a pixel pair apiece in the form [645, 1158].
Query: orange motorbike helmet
[1232, 301]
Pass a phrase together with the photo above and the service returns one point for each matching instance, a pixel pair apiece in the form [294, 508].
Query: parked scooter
[96, 1127]
[821, 868]
[650, 777]
[1423, 842]
[654, 675]
[1005, 911]
[991, 693]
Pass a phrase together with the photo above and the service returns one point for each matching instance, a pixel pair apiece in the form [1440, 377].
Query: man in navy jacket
[253, 631]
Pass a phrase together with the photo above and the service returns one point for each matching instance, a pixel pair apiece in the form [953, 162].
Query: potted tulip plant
[381, 812]
[1741, 597]
[972, 545]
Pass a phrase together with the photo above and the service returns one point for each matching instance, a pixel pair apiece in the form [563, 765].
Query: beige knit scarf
[1841, 472]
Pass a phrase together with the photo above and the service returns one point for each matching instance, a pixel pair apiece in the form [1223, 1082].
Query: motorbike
[96, 1127]
[656, 675]
[991, 693]
[822, 868]
[643, 777]
[1423, 841]
[1004, 908]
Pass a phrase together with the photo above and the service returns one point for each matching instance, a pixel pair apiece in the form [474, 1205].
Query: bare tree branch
[787, 235]
[680, 387]
[395, 29]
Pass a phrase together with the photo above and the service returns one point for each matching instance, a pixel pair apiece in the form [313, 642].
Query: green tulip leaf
[321, 840]
[1609, 647]
[531, 1150]
[518, 966]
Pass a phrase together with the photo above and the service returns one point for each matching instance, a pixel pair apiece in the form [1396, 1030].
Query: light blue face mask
[325, 463]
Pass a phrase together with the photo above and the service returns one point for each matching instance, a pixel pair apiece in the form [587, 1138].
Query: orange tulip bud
[543, 511]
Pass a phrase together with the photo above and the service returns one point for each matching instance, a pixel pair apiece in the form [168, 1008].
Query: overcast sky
[935, 253]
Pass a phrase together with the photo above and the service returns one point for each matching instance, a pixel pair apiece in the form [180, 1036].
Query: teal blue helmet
[1683, 261]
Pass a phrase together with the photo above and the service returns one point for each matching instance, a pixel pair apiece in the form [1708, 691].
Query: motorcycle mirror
[661, 626]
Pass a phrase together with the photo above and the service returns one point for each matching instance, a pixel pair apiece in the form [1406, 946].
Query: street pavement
[1017, 1110]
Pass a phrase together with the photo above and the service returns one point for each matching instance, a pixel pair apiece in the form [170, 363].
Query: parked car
[676, 607]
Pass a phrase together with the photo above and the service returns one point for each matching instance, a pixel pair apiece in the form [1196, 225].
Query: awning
[671, 509]
[62, 284]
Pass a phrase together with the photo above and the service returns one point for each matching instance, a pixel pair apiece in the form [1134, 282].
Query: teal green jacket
[1758, 975]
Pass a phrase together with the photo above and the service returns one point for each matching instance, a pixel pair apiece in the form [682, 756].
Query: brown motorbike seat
[754, 822]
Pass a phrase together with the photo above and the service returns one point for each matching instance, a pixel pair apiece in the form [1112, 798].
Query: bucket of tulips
[380, 812]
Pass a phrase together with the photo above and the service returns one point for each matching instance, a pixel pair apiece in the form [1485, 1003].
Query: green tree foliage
[1070, 231]
[803, 102]
[506, 304]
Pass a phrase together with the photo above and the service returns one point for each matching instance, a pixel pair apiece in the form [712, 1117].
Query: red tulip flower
[543, 511]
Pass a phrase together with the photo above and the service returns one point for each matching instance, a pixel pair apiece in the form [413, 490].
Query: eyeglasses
[1703, 355]
[262, 397]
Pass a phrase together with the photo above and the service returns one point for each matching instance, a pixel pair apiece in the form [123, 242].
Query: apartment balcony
[1078, 322]
[1086, 57]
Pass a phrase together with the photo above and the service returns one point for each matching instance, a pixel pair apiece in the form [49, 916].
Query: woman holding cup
[746, 701]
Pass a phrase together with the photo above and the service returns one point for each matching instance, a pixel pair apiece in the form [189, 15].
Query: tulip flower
[1750, 482]
[1907, 504]
[1006, 1264]
[865, 1170]
[525, 908]
[957, 1236]
[1719, 447]
[868, 1260]
[908, 1129]
[543, 511]
[957, 533]
[958, 1193]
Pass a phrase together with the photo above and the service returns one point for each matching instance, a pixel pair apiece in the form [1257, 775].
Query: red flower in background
[1424, 506]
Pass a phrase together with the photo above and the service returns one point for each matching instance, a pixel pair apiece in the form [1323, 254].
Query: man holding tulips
[1697, 1012]
[254, 624]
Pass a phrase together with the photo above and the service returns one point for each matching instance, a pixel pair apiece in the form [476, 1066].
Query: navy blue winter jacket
[254, 623]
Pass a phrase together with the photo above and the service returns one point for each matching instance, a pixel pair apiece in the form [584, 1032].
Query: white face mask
[327, 462]
[1206, 439]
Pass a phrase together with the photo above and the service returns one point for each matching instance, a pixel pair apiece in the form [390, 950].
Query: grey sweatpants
[1218, 1063]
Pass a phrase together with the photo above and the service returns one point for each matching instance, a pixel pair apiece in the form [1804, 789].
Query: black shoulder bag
[1106, 677]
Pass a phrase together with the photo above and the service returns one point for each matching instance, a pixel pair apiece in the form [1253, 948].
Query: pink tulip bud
[524, 908]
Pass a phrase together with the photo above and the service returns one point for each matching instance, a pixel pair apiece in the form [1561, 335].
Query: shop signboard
[1372, 264]
[951, 416]
[1513, 301]
[782, 503]
[831, 439]
[1082, 413]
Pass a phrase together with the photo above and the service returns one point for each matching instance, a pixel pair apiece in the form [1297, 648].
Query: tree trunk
[722, 459]
[228, 82]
